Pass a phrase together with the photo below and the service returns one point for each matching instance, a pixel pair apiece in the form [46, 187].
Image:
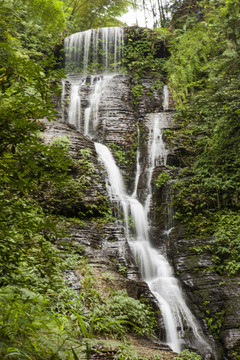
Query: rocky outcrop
[115, 118]
[213, 298]
[104, 242]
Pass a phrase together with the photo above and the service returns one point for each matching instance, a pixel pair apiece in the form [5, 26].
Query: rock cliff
[214, 299]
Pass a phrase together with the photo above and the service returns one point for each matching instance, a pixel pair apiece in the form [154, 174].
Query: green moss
[236, 354]
[141, 52]
[119, 153]
[125, 155]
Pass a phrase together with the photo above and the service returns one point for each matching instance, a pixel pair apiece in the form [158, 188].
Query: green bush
[162, 179]
[29, 329]
[226, 244]
[188, 355]
[122, 313]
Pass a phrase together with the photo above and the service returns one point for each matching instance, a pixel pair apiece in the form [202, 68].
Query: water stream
[91, 89]
[153, 266]
[94, 51]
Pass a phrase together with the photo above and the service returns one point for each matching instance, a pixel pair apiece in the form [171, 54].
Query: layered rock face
[106, 101]
[105, 244]
[214, 299]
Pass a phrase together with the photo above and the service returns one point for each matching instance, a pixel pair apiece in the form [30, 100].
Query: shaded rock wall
[117, 126]
[105, 244]
[214, 299]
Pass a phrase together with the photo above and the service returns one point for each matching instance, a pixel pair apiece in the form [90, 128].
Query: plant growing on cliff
[119, 153]
[137, 92]
[214, 320]
[162, 179]
[226, 244]
[141, 52]
[62, 142]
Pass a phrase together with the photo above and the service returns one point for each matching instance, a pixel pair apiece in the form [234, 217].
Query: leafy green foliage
[119, 154]
[121, 312]
[144, 52]
[226, 244]
[137, 92]
[70, 197]
[31, 28]
[210, 125]
[204, 78]
[62, 142]
[83, 15]
[215, 322]
[28, 256]
[188, 355]
[203, 49]
[162, 179]
[28, 327]
[125, 154]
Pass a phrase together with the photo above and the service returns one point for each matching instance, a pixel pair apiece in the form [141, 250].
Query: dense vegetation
[204, 70]
[40, 316]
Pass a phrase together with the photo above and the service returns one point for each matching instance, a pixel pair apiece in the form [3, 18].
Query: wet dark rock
[72, 280]
[116, 119]
[71, 201]
[105, 245]
[231, 338]
[214, 299]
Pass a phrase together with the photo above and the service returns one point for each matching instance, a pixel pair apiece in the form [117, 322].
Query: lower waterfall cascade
[89, 94]
[153, 266]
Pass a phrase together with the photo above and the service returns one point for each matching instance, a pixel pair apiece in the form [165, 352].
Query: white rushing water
[156, 123]
[138, 167]
[154, 268]
[90, 90]
[165, 98]
[94, 51]
[86, 95]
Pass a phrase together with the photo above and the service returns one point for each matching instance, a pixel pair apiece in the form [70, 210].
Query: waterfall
[138, 167]
[85, 52]
[154, 268]
[156, 123]
[90, 52]
[94, 51]
[85, 96]
[165, 98]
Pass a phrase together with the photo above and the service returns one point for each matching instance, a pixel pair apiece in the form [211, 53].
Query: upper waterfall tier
[94, 51]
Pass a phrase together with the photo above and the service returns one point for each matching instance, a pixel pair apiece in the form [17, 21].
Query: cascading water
[154, 268]
[94, 51]
[87, 90]
[165, 98]
[88, 52]
[81, 49]
[157, 150]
